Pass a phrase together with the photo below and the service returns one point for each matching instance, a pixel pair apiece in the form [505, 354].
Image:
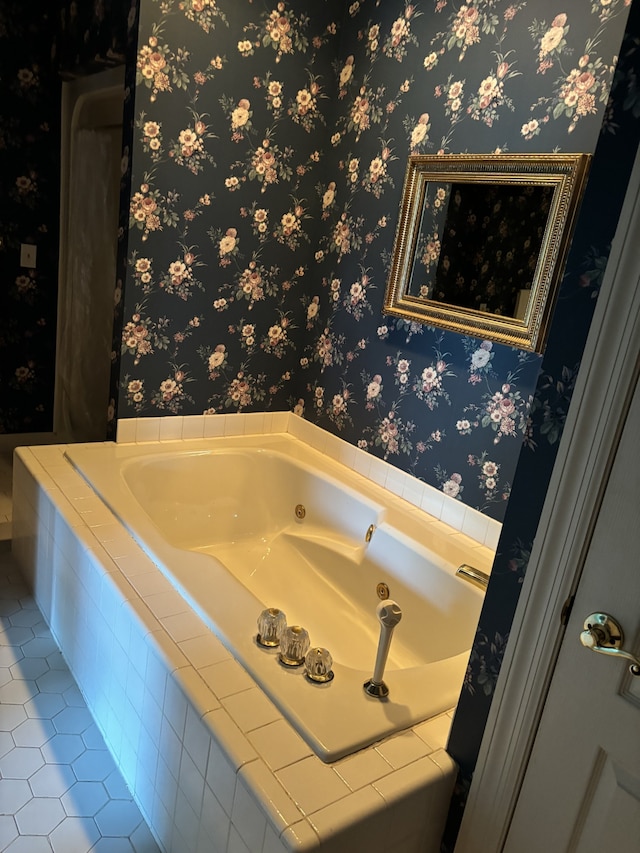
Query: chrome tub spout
[389, 614]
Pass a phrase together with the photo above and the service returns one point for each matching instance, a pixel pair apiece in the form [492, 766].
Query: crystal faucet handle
[317, 664]
[271, 624]
[294, 644]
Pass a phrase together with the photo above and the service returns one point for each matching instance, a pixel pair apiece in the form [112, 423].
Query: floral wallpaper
[612, 164]
[268, 160]
[29, 177]
[40, 42]
[92, 34]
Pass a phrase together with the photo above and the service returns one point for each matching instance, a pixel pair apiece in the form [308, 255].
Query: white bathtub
[219, 519]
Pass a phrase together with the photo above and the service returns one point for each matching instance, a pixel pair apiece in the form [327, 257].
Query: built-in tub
[220, 520]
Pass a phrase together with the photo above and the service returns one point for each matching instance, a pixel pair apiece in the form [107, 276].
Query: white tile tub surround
[480, 528]
[211, 762]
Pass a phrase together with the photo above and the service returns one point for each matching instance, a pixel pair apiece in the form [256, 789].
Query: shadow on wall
[29, 127]
[91, 158]
[40, 41]
[93, 35]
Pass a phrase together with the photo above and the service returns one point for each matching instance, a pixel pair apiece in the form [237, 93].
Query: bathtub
[219, 519]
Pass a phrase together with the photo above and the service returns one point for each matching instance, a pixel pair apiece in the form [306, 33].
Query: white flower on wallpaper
[377, 179]
[365, 111]
[171, 394]
[277, 339]
[356, 300]
[550, 40]
[345, 74]
[274, 94]
[450, 484]
[159, 67]
[339, 407]
[328, 195]
[470, 22]
[430, 386]
[227, 244]
[504, 412]
[480, 355]
[141, 336]
[135, 392]
[485, 105]
[280, 29]
[304, 109]
[180, 278]
[374, 389]
[151, 137]
[149, 210]
[240, 115]
[267, 163]
[255, 282]
[418, 132]
[205, 13]
[489, 479]
[392, 435]
[400, 37]
[244, 390]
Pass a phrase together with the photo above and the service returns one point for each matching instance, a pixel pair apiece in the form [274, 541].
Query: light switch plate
[28, 255]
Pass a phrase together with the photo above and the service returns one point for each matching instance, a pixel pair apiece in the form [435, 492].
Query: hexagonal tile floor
[60, 791]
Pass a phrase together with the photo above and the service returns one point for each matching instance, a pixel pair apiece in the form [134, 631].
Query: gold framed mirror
[482, 240]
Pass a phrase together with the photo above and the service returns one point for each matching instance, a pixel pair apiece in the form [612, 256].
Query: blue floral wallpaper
[41, 43]
[92, 34]
[268, 160]
[29, 178]
[612, 164]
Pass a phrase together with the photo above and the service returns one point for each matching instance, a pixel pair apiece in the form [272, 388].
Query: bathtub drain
[300, 511]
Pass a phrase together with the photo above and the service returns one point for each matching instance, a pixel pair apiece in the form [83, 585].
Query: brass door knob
[604, 635]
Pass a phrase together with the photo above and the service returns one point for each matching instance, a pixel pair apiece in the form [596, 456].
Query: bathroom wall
[29, 169]
[40, 43]
[611, 168]
[91, 155]
[92, 34]
[268, 161]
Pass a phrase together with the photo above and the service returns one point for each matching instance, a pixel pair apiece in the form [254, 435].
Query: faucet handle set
[295, 645]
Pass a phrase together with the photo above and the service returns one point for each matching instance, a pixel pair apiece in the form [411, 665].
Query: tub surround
[209, 758]
[457, 518]
[217, 516]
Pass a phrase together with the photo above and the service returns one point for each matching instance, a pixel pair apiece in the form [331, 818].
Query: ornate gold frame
[566, 173]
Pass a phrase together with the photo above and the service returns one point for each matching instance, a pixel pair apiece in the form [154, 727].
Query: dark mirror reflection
[478, 245]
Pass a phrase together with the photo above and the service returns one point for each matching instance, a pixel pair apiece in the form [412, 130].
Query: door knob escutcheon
[604, 635]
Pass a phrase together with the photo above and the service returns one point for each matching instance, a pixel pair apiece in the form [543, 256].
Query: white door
[581, 791]
[559, 764]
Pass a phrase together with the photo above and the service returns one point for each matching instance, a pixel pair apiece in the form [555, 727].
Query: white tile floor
[60, 791]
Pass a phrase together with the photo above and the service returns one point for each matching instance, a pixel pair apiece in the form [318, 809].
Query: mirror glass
[481, 241]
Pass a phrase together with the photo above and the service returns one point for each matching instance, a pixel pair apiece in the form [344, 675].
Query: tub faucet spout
[389, 614]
